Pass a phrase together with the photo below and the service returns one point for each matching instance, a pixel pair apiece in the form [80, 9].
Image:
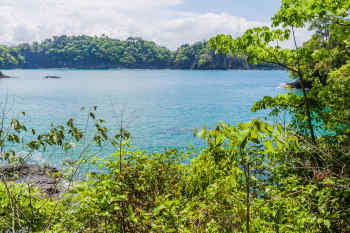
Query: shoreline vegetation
[87, 52]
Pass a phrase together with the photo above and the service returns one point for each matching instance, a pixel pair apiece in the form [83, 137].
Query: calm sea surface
[160, 107]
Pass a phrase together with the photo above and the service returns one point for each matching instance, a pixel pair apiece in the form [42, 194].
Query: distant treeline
[104, 52]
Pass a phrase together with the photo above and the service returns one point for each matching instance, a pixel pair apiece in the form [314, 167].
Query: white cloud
[34, 20]
[196, 27]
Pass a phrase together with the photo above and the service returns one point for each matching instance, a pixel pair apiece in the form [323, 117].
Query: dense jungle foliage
[104, 52]
[252, 177]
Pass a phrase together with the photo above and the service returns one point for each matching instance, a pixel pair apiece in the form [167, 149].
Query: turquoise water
[160, 107]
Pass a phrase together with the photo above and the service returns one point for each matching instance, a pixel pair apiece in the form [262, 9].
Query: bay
[159, 107]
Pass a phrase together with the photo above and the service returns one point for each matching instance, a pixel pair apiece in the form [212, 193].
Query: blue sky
[251, 9]
[167, 22]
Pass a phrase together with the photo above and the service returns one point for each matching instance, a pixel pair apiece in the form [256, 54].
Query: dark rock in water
[2, 75]
[53, 77]
[297, 85]
[45, 178]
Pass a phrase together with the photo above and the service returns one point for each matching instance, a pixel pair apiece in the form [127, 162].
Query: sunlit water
[160, 107]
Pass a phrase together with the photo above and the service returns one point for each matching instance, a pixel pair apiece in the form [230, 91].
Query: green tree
[9, 57]
[312, 63]
[320, 112]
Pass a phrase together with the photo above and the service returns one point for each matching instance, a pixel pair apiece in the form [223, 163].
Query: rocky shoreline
[297, 85]
[2, 75]
[46, 178]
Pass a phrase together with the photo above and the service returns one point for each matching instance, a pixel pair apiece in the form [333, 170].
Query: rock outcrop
[297, 85]
[52, 77]
[2, 75]
[45, 178]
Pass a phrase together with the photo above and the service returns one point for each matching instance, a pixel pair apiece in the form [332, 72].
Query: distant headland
[88, 52]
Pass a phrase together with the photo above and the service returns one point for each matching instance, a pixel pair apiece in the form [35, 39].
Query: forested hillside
[104, 52]
[10, 57]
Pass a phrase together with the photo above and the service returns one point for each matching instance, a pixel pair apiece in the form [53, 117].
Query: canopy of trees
[10, 57]
[323, 62]
[104, 52]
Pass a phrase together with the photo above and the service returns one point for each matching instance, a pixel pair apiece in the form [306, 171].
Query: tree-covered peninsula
[89, 52]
